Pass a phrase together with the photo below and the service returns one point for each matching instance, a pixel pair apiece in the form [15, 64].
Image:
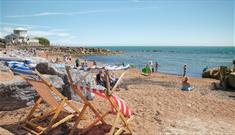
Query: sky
[123, 22]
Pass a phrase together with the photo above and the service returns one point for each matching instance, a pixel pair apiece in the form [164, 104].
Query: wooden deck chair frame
[29, 123]
[87, 104]
[119, 114]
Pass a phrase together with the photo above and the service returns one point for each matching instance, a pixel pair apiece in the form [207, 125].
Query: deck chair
[56, 107]
[118, 106]
[87, 105]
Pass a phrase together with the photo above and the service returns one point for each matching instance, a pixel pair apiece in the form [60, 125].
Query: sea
[171, 59]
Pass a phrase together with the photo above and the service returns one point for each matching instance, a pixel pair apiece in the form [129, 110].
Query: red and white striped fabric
[118, 101]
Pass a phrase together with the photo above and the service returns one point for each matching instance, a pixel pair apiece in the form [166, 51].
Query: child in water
[186, 85]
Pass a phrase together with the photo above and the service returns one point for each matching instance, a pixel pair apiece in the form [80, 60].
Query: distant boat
[110, 67]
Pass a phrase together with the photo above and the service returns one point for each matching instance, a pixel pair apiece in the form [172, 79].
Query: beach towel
[118, 101]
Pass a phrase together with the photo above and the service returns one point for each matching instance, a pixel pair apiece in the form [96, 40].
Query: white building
[19, 35]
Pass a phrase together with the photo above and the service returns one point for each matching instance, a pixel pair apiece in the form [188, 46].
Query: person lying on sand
[185, 84]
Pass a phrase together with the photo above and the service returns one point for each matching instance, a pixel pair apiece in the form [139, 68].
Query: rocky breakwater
[217, 73]
[75, 51]
[15, 92]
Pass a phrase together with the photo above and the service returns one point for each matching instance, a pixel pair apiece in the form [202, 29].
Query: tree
[43, 41]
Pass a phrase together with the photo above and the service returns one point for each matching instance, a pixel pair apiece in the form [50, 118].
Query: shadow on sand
[136, 81]
[64, 129]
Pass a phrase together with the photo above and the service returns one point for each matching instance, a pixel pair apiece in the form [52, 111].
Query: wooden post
[223, 77]
[234, 65]
[107, 83]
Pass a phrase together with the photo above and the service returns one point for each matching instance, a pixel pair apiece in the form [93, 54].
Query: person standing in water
[151, 66]
[185, 67]
[156, 66]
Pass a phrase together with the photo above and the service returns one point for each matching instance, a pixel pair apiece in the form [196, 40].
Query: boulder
[47, 68]
[231, 79]
[206, 74]
[16, 93]
[211, 73]
[214, 73]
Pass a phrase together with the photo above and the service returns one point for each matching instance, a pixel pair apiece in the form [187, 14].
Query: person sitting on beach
[100, 78]
[113, 80]
[186, 85]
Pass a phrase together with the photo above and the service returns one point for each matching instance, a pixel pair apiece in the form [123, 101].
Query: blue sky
[123, 22]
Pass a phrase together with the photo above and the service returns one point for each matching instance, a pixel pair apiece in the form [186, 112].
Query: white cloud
[29, 26]
[79, 12]
[51, 33]
[5, 31]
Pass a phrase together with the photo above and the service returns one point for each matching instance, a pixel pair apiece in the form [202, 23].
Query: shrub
[43, 41]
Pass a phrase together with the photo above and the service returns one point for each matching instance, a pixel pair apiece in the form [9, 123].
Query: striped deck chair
[57, 105]
[98, 116]
[118, 106]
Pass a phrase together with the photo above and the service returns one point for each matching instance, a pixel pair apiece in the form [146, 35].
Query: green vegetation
[43, 41]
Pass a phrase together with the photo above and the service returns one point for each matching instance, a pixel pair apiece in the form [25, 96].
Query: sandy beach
[160, 107]
[117, 67]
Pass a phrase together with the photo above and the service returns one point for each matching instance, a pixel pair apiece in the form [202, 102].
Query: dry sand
[160, 107]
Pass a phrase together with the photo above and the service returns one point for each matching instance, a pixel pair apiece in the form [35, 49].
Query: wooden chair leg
[95, 121]
[57, 112]
[33, 109]
[122, 128]
[114, 124]
[87, 102]
[78, 120]
[45, 114]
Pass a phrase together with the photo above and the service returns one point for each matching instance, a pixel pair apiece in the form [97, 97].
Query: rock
[211, 73]
[231, 79]
[47, 68]
[16, 93]
[56, 81]
[214, 73]
[206, 74]
[5, 73]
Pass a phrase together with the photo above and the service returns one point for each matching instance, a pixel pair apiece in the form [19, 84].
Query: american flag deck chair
[118, 106]
[52, 112]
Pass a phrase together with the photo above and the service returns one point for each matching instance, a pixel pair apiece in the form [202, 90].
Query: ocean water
[171, 59]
